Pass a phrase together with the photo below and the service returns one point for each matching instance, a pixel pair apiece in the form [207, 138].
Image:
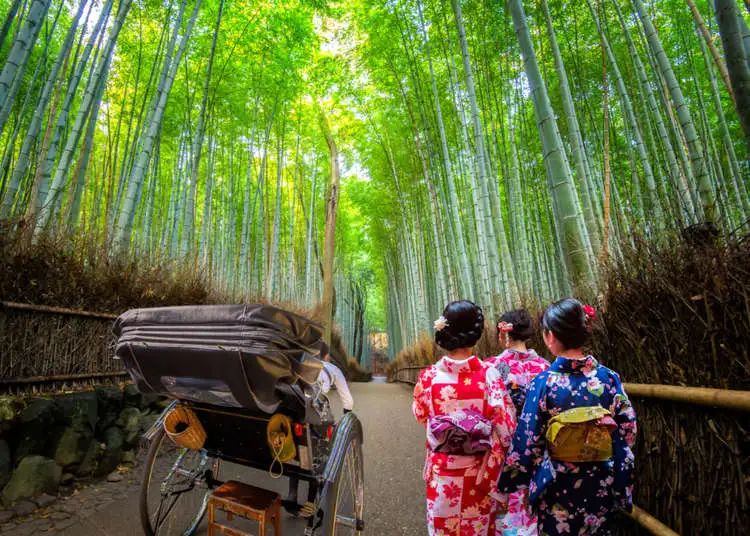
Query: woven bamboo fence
[45, 348]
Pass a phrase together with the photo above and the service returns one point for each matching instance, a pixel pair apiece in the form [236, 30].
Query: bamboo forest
[485, 150]
[369, 161]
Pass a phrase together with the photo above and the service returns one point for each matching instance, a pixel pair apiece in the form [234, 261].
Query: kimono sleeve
[623, 441]
[422, 402]
[528, 444]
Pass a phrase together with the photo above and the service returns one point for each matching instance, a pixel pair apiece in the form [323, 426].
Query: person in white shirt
[331, 376]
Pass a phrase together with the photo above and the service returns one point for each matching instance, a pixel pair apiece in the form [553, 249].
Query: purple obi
[461, 432]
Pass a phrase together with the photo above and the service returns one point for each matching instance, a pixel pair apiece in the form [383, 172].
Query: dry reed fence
[38, 346]
[673, 314]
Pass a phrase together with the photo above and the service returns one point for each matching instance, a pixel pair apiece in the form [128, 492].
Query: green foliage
[390, 78]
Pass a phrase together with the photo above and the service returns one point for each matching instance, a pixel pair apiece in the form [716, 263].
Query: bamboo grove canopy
[497, 151]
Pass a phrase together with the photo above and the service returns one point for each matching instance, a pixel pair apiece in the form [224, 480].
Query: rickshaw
[239, 370]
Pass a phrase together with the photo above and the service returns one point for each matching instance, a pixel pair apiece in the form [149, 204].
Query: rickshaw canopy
[242, 356]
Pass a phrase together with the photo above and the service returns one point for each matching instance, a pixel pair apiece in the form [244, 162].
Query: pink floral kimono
[470, 420]
[518, 369]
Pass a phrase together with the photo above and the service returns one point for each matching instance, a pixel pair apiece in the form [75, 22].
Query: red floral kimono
[459, 486]
[518, 369]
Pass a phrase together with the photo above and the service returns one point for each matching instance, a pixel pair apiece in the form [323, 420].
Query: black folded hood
[243, 356]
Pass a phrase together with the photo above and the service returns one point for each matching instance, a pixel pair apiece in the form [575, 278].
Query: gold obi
[581, 435]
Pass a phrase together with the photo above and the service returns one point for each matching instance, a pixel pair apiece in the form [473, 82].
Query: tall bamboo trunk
[188, 223]
[574, 240]
[21, 50]
[695, 148]
[124, 225]
[739, 71]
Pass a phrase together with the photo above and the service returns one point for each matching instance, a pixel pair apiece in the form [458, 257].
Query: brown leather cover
[232, 355]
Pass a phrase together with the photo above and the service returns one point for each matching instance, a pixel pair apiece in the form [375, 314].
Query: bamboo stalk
[650, 523]
[55, 310]
[703, 396]
[61, 378]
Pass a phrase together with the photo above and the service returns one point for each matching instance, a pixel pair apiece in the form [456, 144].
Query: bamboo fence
[49, 346]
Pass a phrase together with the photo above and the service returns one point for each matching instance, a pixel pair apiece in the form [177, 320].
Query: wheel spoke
[176, 491]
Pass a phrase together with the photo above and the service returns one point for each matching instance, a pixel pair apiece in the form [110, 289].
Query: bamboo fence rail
[55, 310]
[703, 396]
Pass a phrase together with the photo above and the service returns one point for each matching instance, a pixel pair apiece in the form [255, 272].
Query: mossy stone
[33, 476]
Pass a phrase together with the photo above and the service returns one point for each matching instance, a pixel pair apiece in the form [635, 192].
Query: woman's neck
[459, 354]
[518, 346]
[573, 353]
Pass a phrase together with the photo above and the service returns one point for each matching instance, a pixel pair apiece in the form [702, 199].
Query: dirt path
[394, 493]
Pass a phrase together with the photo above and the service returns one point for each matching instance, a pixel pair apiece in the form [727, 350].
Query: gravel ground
[394, 491]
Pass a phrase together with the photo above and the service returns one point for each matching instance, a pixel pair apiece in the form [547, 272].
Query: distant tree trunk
[330, 232]
[274, 257]
[734, 51]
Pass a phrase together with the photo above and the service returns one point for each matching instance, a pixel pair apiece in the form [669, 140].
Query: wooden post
[330, 233]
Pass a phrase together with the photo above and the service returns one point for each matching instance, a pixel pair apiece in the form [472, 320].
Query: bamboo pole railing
[702, 396]
[62, 378]
[54, 310]
[650, 523]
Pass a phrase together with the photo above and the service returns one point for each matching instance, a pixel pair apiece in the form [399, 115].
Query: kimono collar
[586, 365]
[454, 366]
[521, 356]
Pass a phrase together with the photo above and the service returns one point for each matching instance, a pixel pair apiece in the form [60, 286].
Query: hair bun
[464, 324]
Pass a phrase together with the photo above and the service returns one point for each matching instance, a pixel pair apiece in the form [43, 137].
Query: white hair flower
[440, 324]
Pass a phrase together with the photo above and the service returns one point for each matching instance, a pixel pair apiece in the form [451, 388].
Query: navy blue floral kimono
[572, 498]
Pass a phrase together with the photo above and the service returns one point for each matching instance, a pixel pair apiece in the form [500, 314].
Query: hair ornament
[504, 327]
[440, 324]
[590, 312]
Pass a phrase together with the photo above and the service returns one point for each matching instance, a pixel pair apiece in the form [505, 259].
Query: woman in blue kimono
[573, 444]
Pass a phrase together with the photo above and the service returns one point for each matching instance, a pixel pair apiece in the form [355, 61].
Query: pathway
[394, 492]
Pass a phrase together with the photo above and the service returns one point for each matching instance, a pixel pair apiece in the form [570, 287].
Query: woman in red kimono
[517, 365]
[470, 420]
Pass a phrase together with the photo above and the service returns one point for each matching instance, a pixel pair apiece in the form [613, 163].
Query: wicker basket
[184, 428]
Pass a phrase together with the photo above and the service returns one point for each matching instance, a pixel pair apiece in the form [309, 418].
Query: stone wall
[46, 442]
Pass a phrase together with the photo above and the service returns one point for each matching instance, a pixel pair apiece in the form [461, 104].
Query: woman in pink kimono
[517, 365]
[470, 420]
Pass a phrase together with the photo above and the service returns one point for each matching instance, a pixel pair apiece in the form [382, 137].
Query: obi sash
[581, 435]
[461, 432]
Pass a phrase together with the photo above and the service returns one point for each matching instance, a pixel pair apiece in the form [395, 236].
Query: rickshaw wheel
[342, 500]
[175, 487]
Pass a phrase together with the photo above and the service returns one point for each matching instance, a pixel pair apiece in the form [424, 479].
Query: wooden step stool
[236, 498]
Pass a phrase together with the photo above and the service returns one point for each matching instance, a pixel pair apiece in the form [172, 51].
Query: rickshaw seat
[250, 502]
